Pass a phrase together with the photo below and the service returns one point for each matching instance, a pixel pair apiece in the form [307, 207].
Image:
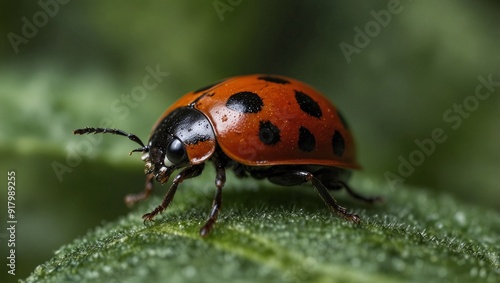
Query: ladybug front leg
[131, 199]
[189, 172]
[290, 178]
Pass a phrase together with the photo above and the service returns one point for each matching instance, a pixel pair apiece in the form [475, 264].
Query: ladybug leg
[213, 213]
[335, 179]
[359, 196]
[187, 173]
[299, 177]
[331, 202]
[131, 199]
[220, 180]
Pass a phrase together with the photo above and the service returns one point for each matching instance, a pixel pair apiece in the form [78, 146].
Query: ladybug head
[183, 137]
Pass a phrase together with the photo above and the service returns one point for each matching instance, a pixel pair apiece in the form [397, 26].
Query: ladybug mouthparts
[162, 174]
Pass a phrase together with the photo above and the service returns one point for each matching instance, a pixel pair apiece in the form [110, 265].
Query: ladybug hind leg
[335, 179]
[291, 178]
[358, 196]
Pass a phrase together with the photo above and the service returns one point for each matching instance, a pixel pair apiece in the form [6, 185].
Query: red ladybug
[263, 126]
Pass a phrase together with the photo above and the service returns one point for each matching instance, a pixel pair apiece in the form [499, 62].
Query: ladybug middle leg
[297, 177]
[220, 163]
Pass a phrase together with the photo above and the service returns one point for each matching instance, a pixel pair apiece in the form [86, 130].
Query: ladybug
[262, 126]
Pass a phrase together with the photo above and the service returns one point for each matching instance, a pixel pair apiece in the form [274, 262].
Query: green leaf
[276, 234]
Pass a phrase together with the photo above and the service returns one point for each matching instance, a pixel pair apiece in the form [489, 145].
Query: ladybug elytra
[262, 126]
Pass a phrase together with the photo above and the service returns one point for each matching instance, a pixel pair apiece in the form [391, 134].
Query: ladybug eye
[176, 153]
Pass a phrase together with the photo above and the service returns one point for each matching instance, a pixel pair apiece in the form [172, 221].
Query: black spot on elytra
[272, 79]
[207, 87]
[268, 133]
[307, 142]
[245, 102]
[342, 120]
[338, 144]
[307, 104]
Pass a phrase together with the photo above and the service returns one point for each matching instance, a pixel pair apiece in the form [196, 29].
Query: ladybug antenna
[132, 137]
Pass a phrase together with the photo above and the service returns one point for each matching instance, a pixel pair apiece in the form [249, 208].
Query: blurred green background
[70, 65]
